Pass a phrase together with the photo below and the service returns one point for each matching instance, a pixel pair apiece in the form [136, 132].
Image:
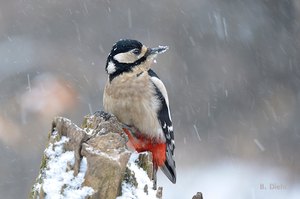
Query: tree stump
[93, 162]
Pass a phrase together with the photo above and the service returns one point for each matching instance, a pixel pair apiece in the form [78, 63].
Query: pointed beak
[158, 50]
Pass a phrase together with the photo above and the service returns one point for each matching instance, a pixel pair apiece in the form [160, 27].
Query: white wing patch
[161, 87]
[111, 68]
[170, 128]
[165, 125]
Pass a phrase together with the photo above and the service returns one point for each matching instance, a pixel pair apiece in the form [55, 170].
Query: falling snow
[259, 145]
[197, 133]
[232, 76]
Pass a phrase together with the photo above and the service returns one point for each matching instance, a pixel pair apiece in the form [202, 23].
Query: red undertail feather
[141, 143]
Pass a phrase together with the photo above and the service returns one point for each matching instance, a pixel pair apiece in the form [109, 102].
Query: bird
[138, 98]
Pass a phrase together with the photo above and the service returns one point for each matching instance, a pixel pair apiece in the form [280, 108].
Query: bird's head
[127, 54]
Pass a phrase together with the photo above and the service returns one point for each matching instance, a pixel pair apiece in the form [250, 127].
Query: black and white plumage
[164, 116]
[137, 97]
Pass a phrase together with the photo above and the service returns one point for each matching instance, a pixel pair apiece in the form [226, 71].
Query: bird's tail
[169, 167]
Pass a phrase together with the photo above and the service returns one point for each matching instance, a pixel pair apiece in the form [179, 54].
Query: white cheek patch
[127, 58]
[111, 68]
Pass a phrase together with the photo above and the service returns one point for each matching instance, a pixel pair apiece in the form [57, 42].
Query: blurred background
[232, 73]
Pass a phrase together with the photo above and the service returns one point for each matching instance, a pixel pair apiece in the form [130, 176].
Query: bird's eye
[136, 51]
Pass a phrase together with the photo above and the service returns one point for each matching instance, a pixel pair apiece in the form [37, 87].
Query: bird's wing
[164, 118]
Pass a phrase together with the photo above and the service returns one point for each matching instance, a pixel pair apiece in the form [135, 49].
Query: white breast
[131, 99]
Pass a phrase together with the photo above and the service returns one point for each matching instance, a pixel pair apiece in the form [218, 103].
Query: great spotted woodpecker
[138, 98]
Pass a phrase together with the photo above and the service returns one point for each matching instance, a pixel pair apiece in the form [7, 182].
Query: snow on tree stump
[93, 162]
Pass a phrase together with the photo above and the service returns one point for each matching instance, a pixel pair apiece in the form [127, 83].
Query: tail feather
[169, 167]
